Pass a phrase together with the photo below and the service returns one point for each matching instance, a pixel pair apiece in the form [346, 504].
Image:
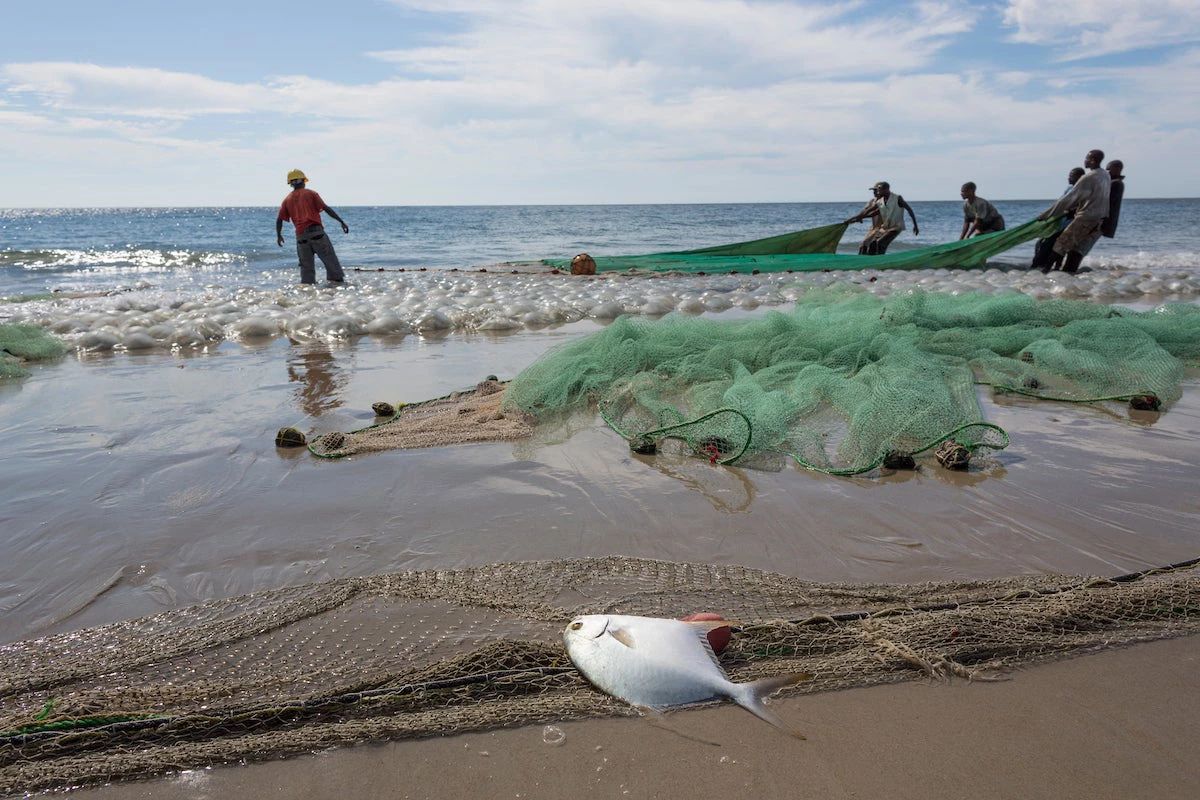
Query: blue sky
[415, 102]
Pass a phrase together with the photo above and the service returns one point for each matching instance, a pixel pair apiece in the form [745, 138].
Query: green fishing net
[848, 380]
[20, 343]
[813, 250]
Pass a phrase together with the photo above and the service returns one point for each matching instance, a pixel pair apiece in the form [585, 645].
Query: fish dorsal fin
[702, 627]
[623, 636]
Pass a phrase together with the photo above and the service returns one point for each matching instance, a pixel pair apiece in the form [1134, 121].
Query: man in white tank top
[886, 211]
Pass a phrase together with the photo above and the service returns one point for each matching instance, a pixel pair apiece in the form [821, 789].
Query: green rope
[310, 707]
[879, 461]
[1001, 388]
[77, 723]
[665, 432]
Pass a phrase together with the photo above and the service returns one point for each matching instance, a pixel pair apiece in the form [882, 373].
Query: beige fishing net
[433, 652]
[474, 415]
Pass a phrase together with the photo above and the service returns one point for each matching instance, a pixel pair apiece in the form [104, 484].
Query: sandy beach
[1116, 724]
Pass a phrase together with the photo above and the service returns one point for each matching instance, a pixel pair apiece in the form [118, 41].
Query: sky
[485, 102]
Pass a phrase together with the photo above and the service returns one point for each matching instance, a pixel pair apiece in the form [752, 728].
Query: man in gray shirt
[1088, 200]
[979, 216]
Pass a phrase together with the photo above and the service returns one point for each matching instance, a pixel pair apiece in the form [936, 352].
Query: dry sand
[1118, 724]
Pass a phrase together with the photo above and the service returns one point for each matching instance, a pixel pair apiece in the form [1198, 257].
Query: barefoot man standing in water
[303, 207]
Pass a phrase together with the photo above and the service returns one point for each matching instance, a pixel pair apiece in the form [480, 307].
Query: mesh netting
[462, 417]
[434, 652]
[812, 250]
[21, 343]
[848, 380]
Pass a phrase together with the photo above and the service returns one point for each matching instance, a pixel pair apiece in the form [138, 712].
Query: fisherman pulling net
[845, 383]
[437, 652]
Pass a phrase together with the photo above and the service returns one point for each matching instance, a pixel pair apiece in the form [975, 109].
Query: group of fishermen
[1089, 207]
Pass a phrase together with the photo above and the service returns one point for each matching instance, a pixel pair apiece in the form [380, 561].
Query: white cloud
[130, 91]
[621, 101]
[1088, 28]
[684, 42]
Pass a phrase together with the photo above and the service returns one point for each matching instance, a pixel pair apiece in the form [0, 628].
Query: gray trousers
[315, 242]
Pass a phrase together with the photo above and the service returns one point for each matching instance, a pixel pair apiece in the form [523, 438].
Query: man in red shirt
[303, 208]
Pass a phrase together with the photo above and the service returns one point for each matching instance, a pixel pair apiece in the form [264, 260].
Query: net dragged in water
[436, 652]
[813, 250]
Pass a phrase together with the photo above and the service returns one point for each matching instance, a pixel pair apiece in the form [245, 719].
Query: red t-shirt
[302, 207]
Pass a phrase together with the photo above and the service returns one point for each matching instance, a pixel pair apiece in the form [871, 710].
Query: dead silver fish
[656, 663]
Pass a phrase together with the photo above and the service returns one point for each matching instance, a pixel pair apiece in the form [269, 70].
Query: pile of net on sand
[428, 653]
[813, 250]
[848, 379]
[465, 417]
[22, 343]
[845, 383]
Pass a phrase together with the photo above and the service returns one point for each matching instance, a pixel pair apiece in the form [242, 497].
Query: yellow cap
[296, 175]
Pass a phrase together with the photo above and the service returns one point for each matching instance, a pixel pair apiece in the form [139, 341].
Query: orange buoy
[583, 264]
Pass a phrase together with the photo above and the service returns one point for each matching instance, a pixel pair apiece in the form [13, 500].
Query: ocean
[95, 249]
[140, 471]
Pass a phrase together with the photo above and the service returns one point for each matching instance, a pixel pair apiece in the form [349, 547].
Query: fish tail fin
[750, 696]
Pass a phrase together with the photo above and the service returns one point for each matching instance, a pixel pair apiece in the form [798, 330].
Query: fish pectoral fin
[750, 696]
[623, 636]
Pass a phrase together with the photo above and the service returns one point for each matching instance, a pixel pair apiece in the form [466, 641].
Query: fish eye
[576, 625]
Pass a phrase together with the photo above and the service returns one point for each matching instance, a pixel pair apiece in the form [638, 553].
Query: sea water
[138, 279]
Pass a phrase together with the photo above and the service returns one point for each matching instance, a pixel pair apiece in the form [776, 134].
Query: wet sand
[135, 484]
[1116, 724]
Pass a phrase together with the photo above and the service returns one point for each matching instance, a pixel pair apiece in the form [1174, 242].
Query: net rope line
[679, 428]
[245, 679]
[700, 448]
[133, 722]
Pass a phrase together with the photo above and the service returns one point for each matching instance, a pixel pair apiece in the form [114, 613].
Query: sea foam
[439, 303]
